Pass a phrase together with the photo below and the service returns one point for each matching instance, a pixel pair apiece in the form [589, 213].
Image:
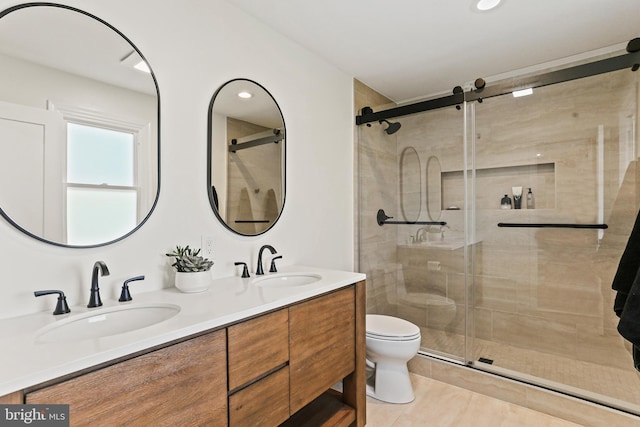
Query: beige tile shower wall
[376, 184]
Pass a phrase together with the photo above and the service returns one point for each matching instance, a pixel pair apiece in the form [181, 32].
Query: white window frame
[141, 136]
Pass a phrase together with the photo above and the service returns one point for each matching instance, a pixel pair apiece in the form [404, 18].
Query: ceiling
[49, 36]
[412, 49]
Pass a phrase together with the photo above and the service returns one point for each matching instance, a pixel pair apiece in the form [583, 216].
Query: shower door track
[629, 60]
[533, 381]
[557, 387]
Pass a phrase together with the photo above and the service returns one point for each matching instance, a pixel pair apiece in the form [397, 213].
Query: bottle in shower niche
[517, 197]
[505, 202]
[531, 204]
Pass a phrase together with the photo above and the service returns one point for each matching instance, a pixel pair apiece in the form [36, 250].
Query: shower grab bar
[551, 225]
[382, 219]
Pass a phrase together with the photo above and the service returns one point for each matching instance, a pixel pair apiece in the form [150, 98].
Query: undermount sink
[106, 322]
[287, 279]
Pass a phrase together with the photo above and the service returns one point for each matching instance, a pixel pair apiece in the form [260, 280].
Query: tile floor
[610, 382]
[442, 405]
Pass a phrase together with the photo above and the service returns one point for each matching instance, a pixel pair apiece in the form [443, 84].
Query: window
[101, 184]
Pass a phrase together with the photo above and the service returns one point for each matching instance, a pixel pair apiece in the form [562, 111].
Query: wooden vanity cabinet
[274, 369]
[183, 384]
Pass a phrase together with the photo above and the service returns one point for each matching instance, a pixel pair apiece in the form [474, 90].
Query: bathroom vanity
[274, 364]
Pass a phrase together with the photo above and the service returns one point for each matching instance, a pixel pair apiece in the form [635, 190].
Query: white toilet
[391, 343]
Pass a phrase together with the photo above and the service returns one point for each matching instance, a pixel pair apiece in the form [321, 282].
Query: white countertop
[25, 361]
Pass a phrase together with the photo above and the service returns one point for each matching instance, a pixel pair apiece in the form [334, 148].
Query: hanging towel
[627, 283]
[629, 325]
[627, 269]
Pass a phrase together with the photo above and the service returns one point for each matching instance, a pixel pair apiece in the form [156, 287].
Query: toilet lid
[391, 328]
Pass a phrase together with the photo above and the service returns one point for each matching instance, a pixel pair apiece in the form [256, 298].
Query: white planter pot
[193, 282]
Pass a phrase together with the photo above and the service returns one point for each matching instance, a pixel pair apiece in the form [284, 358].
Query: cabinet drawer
[257, 346]
[264, 403]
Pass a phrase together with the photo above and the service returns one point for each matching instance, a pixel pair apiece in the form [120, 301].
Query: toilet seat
[388, 328]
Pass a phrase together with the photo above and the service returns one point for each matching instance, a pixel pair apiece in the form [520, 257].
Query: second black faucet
[94, 297]
[259, 270]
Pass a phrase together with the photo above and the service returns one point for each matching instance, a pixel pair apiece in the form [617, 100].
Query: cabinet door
[322, 345]
[184, 384]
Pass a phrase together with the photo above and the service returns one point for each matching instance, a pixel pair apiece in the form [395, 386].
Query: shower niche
[492, 183]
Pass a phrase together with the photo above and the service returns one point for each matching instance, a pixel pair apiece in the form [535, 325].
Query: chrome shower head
[392, 128]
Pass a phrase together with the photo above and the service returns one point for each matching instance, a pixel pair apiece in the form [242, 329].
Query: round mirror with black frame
[79, 134]
[246, 157]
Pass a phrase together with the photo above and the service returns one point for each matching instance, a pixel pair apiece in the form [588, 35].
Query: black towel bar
[550, 225]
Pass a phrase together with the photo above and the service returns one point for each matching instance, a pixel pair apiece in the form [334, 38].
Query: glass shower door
[564, 157]
[430, 290]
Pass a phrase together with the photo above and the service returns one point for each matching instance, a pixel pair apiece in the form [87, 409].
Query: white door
[32, 165]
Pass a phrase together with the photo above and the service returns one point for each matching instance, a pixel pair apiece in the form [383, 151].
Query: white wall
[194, 46]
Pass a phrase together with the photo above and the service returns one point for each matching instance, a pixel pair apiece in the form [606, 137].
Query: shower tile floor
[443, 405]
[620, 384]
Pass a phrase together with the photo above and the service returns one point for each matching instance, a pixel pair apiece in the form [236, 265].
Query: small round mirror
[434, 188]
[410, 185]
[246, 157]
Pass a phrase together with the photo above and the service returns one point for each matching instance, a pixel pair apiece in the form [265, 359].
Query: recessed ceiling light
[142, 66]
[523, 92]
[484, 5]
[245, 95]
[134, 60]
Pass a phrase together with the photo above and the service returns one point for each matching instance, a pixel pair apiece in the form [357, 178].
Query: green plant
[188, 260]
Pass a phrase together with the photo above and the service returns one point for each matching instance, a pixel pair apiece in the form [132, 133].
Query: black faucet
[94, 298]
[259, 270]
